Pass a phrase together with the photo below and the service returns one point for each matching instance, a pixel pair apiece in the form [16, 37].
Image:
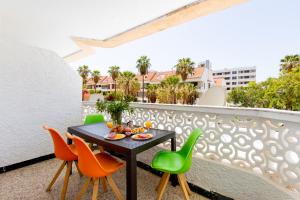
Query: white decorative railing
[263, 141]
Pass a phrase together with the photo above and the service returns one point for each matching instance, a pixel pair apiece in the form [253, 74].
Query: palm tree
[172, 82]
[152, 93]
[289, 62]
[143, 65]
[184, 67]
[95, 77]
[84, 73]
[188, 93]
[126, 81]
[114, 73]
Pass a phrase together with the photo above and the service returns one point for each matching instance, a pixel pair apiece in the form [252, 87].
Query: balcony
[244, 154]
[254, 150]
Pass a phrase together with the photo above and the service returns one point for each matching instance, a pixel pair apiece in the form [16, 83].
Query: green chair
[93, 119]
[177, 163]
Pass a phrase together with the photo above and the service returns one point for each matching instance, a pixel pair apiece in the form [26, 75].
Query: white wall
[214, 96]
[36, 88]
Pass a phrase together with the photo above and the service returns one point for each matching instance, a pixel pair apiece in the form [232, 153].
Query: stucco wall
[36, 88]
[215, 96]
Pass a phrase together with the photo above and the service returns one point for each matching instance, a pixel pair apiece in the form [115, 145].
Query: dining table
[126, 147]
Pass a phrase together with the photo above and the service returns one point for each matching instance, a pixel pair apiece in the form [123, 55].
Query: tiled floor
[30, 183]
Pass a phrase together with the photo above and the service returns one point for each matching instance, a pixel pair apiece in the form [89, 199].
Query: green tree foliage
[96, 78]
[128, 84]
[152, 92]
[143, 65]
[184, 67]
[187, 93]
[279, 93]
[168, 90]
[114, 72]
[289, 62]
[84, 72]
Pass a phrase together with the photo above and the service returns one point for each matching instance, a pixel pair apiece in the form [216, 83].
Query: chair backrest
[61, 148]
[87, 161]
[187, 149]
[92, 119]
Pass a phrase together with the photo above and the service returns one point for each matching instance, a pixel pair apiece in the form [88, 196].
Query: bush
[112, 96]
[130, 98]
[91, 91]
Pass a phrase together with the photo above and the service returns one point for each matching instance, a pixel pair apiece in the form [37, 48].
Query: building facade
[201, 77]
[236, 77]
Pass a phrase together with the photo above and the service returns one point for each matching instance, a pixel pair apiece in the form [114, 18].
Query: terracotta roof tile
[148, 77]
[91, 81]
[197, 73]
[160, 76]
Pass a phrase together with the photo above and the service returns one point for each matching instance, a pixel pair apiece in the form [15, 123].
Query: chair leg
[104, 184]
[66, 180]
[95, 189]
[114, 188]
[187, 186]
[163, 186]
[83, 189]
[161, 181]
[101, 149]
[181, 180]
[56, 176]
[76, 164]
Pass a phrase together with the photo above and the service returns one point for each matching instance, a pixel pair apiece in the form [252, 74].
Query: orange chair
[64, 152]
[96, 167]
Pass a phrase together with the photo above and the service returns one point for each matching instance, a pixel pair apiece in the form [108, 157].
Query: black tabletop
[97, 132]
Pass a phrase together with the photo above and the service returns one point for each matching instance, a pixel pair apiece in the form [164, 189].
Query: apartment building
[236, 77]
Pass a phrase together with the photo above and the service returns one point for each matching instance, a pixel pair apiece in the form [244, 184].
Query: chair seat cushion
[108, 163]
[168, 161]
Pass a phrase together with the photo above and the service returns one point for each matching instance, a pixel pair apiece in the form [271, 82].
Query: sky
[256, 33]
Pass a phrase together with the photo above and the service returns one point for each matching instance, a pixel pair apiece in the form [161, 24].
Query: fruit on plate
[127, 129]
[142, 136]
[141, 130]
[115, 136]
[117, 129]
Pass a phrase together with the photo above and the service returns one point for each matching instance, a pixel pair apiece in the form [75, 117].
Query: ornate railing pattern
[263, 141]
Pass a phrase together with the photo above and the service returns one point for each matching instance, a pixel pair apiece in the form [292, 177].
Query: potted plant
[114, 108]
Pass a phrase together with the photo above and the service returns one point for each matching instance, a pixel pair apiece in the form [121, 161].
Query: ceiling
[70, 27]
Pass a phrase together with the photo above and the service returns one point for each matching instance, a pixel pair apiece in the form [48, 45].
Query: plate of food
[138, 130]
[142, 136]
[115, 136]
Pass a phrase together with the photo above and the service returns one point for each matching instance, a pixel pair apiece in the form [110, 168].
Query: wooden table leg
[131, 182]
[173, 177]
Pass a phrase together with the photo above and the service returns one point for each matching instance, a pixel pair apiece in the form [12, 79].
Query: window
[234, 72]
[246, 71]
[228, 83]
[214, 74]
[240, 77]
[233, 83]
[227, 78]
[253, 70]
[241, 72]
[228, 88]
[219, 74]
[246, 76]
[234, 77]
[227, 72]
